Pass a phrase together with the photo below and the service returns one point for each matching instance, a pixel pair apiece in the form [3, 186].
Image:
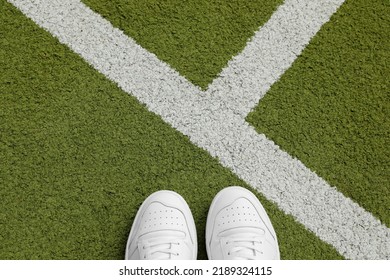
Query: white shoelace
[244, 248]
[160, 248]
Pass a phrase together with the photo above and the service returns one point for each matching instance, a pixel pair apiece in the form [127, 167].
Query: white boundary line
[270, 52]
[216, 122]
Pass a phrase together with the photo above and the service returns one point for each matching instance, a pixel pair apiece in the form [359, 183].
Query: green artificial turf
[331, 108]
[196, 37]
[78, 157]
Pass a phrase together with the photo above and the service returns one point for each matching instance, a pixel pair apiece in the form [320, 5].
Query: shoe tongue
[164, 238]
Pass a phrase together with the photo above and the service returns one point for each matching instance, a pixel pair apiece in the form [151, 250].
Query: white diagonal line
[270, 53]
[212, 123]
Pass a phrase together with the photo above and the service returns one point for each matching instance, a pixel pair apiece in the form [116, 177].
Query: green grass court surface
[78, 155]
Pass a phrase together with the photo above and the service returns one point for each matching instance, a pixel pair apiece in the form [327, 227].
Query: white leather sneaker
[163, 229]
[239, 228]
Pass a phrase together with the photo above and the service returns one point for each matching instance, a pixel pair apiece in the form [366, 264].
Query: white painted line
[270, 52]
[211, 122]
